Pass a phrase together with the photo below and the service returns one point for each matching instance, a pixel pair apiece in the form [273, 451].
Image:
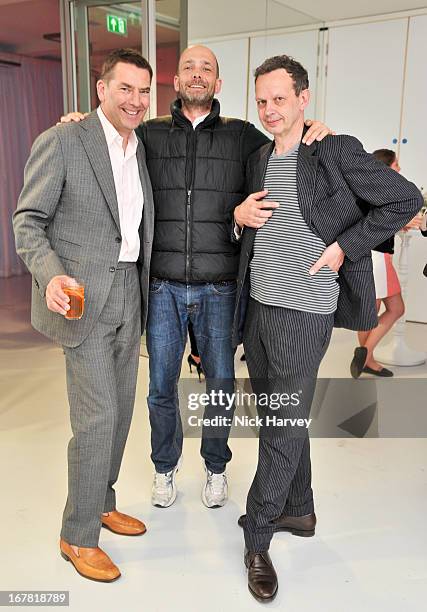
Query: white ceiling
[207, 18]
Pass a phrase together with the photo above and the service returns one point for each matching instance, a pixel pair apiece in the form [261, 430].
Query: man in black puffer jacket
[196, 160]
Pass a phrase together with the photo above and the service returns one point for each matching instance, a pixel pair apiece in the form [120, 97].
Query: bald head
[198, 53]
[196, 81]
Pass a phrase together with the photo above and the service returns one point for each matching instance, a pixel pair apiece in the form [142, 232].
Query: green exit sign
[117, 25]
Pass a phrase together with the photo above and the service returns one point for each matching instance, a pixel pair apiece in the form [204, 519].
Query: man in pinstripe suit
[86, 211]
[305, 266]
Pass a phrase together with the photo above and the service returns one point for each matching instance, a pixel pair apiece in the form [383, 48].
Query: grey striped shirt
[285, 248]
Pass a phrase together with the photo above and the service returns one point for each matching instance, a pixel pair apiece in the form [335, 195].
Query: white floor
[370, 549]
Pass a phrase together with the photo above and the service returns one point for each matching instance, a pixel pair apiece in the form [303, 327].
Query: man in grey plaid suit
[86, 213]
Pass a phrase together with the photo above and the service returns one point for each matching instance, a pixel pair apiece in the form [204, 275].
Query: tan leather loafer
[92, 563]
[120, 523]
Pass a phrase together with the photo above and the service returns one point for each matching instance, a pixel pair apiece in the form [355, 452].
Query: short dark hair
[126, 56]
[295, 70]
[385, 155]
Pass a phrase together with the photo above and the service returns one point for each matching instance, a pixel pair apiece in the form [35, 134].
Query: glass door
[171, 38]
[90, 29]
[97, 27]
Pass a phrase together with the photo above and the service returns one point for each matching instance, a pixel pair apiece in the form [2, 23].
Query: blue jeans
[210, 308]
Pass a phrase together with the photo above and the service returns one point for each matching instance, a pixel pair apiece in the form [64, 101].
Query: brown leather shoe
[303, 526]
[262, 577]
[297, 525]
[120, 523]
[92, 563]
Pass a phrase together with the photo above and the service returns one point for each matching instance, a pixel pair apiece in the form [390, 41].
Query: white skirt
[385, 275]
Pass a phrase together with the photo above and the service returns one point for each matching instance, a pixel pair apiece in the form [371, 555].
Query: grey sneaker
[164, 491]
[215, 491]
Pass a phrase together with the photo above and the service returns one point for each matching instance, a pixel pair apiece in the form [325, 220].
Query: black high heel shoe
[197, 365]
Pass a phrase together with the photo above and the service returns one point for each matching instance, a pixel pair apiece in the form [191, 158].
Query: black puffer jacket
[198, 178]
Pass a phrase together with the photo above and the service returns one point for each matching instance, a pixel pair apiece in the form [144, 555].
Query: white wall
[364, 81]
[208, 18]
[416, 291]
[301, 45]
[413, 153]
[413, 156]
[232, 56]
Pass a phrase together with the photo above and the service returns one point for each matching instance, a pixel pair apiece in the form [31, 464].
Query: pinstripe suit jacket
[334, 176]
[67, 222]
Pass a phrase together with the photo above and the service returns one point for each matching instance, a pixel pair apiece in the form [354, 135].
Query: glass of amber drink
[76, 293]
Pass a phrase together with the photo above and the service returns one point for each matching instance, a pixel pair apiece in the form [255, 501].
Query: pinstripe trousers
[283, 350]
[101, 384]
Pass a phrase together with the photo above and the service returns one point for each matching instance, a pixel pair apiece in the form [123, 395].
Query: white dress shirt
[130, 197]
[199, 120]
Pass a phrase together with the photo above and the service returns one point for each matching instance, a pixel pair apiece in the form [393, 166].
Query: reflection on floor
[368, 553]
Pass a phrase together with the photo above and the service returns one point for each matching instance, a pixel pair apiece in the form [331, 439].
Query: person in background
[194, 357]
[387, 287]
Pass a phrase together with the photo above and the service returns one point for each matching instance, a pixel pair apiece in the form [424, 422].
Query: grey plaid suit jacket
[67, 222]
[335, 177]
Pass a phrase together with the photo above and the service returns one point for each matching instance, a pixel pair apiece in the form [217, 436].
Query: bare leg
[364, 335]
[394, 309]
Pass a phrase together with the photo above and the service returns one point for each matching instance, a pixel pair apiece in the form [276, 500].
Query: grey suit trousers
[101, 383]
[283, 351]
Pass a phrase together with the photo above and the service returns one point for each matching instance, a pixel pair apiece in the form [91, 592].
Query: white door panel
[364, 81]
[413, 147]
[232, 58]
